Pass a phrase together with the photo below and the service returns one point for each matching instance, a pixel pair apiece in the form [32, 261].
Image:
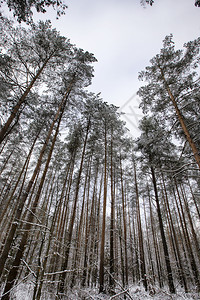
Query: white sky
[124, 36]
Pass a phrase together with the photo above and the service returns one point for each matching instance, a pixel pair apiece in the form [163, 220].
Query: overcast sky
[124, 36]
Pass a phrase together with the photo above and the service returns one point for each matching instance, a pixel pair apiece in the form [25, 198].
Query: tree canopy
[23, 9]
[151, 2]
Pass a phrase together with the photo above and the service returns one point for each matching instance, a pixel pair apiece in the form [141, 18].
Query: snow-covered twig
[33, 214]
[60, 272]
[166, 293]
[124, 290]
[32, 272]
[179, 169]
[16, 285]
[89, 295]
[121, 293]
[34, 224]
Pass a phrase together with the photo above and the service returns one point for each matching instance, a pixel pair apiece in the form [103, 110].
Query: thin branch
[32, 272]
[34, 224]
[33, 214]
[178, 170]
[60, 272]
[89, 295]
[125, 291]
[114, 296]
[17, 284]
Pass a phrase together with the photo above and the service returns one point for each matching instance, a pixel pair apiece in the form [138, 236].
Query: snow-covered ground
[24, 292]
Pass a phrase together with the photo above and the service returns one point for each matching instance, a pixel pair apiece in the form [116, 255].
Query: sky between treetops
[124, 36]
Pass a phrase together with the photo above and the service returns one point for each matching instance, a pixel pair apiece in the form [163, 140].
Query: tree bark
[124, 224]
[61, 285]
[157, 254]
[22, 201]
[164, 242]
[181, 120]
[14, 270]
[16, 108]
[174, 240]
[188, 242]
[19, 177]
[140, 233]
[101, 267]
[112, 222]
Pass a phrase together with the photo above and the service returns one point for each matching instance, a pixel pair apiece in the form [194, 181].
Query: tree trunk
[6, 161]
[97, 232]
[174, 237]
[122, 267]
[151, 264]
[112, 223]
[101, 267]
[136, 258]
[124, 225]
[14, 270]
[22, 201]
[195, 239]
[155, 244]
[61, 229]
[38, 291]
[181, 120]
[131, 244]
[141, 245]
[194, 199]
[6, 127]
[188, 242]
[80, 231]
[89, 232]
[61, 285]
[164, 242]
[19, 177]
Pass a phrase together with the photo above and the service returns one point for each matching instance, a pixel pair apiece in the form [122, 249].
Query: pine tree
[172, 86]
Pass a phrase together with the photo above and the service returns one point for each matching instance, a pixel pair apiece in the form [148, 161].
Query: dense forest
[86, 212]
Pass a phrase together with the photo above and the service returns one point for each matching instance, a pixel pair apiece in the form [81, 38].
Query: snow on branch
[179, 169]
[35, 224]
[60, 272]
[123, 289]
[23, 279]
[32, 272]
[119, 294]
[33, 214]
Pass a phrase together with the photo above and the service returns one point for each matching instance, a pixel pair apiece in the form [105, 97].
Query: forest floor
[24, 292]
